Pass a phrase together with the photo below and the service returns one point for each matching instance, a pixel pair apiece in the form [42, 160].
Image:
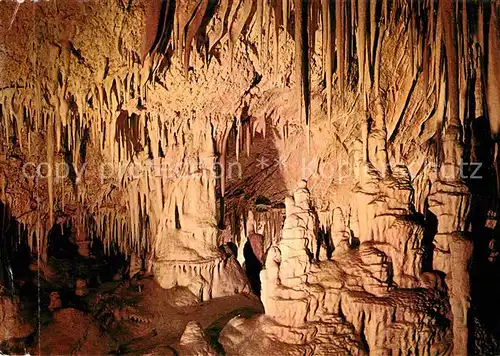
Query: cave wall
[157, 125]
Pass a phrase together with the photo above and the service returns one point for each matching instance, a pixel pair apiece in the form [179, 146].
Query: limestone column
[449, 200]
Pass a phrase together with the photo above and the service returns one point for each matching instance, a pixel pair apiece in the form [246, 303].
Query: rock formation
[12, 324]
[193, 341]
[335, 161]
[357, 285]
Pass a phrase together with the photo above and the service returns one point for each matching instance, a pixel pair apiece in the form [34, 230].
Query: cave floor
[135, 317]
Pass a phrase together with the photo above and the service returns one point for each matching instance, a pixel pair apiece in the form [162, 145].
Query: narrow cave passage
[15, 254]
[255, 190]
[253, 252]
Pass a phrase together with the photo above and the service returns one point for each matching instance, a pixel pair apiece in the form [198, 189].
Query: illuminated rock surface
[249, 177]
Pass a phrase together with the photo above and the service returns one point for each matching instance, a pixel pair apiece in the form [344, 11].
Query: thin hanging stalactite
[277, 24]
[325, 10]
[377, 60]
[50, 182]
[450, 41]
[372, 35]
[267, 22]
[348, 38]
[259, 22]
[438, 57]
[411, 35]
[223, 163]
[426, 59]
[361, 44]
[301, 61]
[340, 32]
[329, 63]
[312, 20]
[286, 9]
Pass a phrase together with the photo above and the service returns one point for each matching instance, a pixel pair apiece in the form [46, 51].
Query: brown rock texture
[335, 161]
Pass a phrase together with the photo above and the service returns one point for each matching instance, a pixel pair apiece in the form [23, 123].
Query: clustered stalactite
[452, 47]
[453, 51]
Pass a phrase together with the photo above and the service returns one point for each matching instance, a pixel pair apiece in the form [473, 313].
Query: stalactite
[329, 63]
[480, 27]
[493, 85]
[426, 64]
[238, 22]
[248, 138]
[130, 230]
[19, 116]
[259, 23]
[377, 61]
[267, 22]
[312, 20]
[325, 10]
[340, 32]
[361, 44]
[277, 24]
[6, 123]
[286, 9]
[192, 30]
[301, 60]
[50, 175]
[411, 44]
[450, 40]
[386, 12]
[438, 62]
[464, 38]
[373, 28]
[222, 160]
[184, 12]
[237, 138]
[160, 42]
[223, 10]
[464, 65]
